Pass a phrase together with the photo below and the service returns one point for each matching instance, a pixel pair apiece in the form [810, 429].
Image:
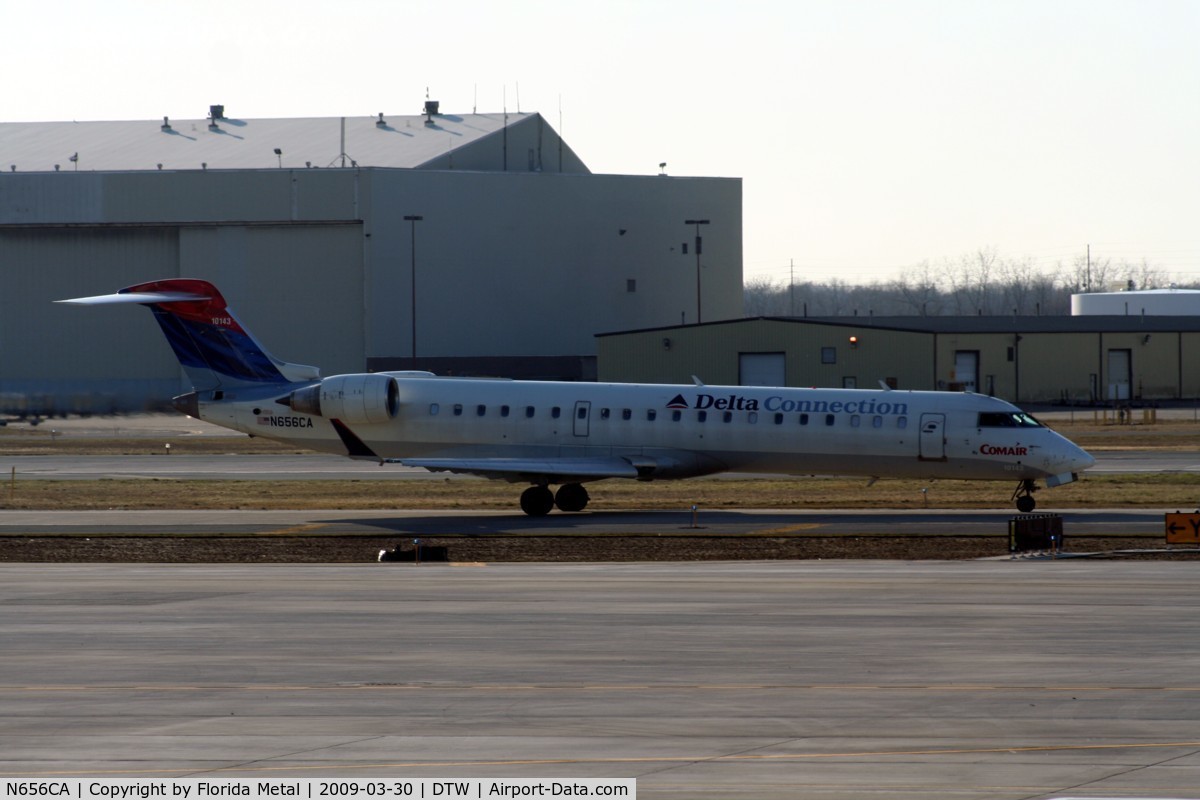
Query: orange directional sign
[1183, 528]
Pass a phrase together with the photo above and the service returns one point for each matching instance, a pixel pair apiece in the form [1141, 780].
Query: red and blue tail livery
[211, 345]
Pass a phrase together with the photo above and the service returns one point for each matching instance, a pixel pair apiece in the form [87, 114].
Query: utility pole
[697, 223]
[413, 219]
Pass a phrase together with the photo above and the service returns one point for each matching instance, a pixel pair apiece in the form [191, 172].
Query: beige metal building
[1075, 360]
[517, 257]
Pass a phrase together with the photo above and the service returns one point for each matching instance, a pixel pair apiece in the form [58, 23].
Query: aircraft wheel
[1026, 503]
[571, 497]
[536, 501]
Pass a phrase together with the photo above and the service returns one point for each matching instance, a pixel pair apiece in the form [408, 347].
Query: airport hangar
[1070, 360]
[473, 244]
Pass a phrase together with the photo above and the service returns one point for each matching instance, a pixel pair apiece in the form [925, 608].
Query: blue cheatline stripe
[225, 352]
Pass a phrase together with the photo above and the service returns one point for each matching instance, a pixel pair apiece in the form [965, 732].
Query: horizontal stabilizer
[139, 297]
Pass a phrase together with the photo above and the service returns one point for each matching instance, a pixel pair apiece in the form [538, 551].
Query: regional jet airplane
[567, 434]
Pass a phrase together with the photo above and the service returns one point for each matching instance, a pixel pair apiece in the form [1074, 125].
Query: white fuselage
[673, 431]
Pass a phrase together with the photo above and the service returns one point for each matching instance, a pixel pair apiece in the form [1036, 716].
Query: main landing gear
[1024, 496]
[537, 501]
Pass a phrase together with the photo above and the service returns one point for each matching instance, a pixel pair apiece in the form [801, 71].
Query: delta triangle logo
[678, 402]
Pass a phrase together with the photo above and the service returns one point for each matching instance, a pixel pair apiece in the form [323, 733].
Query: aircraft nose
[1079, 459]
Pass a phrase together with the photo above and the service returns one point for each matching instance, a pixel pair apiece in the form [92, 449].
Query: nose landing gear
[1024, 496]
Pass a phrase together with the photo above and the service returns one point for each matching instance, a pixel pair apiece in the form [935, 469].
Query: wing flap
[515, 469]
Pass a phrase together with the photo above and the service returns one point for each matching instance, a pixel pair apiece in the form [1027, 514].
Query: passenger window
[676, 415]
[626, 413]
[504, 411]
[855, 420]
[901, 422]
[829, 419]
[480, 410]
[804, 419]
[458, 409]
[752, 417]
[778, 418]
[651, 414]
[604, 412]
[556, 412]
[529, 412]
[727, 416]
[701, 416]
[581, 412]
[876, 422]
[434, 409]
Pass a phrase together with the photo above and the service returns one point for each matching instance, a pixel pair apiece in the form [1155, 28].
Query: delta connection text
[737, 402]
[419, 788]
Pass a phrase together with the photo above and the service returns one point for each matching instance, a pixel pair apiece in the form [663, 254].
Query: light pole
[413, 219]
[697, 223]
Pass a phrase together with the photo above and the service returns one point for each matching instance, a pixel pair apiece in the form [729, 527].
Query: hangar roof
[411, 142]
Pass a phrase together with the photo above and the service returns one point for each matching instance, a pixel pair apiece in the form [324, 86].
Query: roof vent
[431, 108]
[380, 123]
[166, 126]
[215, 113]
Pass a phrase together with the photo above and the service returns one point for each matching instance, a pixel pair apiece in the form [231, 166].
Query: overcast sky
[870, 136]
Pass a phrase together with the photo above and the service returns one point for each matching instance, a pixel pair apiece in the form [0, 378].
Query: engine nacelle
[353, 399]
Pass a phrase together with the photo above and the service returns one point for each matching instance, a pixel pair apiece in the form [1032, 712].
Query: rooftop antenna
[475, 100]
[518, 97]
[343, 155]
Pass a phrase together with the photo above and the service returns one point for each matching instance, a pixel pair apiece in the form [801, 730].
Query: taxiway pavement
[827, 681]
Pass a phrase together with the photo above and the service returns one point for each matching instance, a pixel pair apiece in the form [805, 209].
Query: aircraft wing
[521, 469]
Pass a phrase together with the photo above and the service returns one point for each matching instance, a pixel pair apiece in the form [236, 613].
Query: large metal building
[471, 244]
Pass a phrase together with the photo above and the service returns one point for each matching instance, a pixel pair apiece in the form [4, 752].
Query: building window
[828, 355]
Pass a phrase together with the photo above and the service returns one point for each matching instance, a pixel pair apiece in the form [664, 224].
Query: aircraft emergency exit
[546, 433]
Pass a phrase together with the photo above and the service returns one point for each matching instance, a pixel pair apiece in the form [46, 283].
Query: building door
[761, 369]
[1120, 374]
[933, 437]
[583, 414]
[966, 370]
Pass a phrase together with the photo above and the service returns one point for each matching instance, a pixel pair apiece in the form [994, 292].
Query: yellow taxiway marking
[295, 529]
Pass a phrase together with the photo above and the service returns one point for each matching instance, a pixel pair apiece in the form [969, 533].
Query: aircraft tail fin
[211, 345]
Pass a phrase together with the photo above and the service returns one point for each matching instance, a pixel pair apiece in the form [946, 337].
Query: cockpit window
[1016, 419]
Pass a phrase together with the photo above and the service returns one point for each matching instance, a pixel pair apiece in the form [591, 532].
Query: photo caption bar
[333, 789]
